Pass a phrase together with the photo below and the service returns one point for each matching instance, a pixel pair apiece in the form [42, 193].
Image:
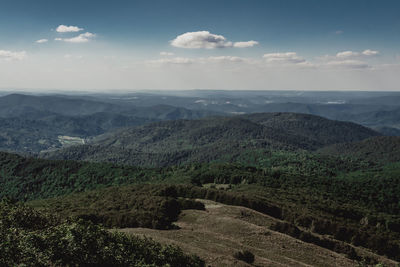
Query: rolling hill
[30, 124]
[182, 141]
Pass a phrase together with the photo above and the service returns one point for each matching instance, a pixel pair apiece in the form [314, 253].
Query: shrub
[244, 255]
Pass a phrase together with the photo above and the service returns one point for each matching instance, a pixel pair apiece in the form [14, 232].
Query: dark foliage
[32, 238]
[129, 206]
[378, 149]
[245, 256]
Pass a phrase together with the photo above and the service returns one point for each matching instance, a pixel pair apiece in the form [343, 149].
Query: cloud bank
[285, 58]
[167, 54]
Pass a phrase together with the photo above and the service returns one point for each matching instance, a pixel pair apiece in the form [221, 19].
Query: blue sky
[218, 44]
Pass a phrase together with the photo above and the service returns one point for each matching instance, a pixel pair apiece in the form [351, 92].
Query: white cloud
[245, 44]
[200, 39]
[199, 60]
[285, 58]
[225, 59]
[348, 59]
[351, 54]
[175, 61]
[369, 52]
[64, 28]
[338, 32]
[41, 41]
[347, 54]
[81, 38]
[166, 53]
[11, 55]
[207, 40]
[351, 64]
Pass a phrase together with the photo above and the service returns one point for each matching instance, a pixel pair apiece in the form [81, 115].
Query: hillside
[321, 199]
[156, 206]
[383, 149]
[220, 231]
[210, 139]
[30, 124]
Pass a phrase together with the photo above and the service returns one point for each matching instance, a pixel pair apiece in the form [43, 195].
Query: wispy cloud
[245, 44]
[64, 28]
[351, 64]
[174, 61]
[166, 54]
[231, 59]
[369, 52]
[68, 56]
[41, 41]
[198, 60]
[207, 40]
[352, 54]
[348, 59]
[12, 55]
[81, 38]
[285, 58]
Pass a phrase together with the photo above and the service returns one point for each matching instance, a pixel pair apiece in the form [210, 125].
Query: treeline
[32, 238]
[28, 178]
[121, 207]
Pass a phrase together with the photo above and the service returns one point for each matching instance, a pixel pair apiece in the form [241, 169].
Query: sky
[209, 44]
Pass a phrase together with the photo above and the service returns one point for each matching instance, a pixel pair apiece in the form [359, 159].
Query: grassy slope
[221, 230]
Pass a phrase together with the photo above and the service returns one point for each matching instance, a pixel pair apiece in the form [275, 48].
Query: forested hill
[30, 124]
[204, 140]
[381, 148]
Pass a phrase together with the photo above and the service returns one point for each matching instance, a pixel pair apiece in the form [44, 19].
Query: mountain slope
[175, 142]
[220, 231]
[30, 124]
[382, 148]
